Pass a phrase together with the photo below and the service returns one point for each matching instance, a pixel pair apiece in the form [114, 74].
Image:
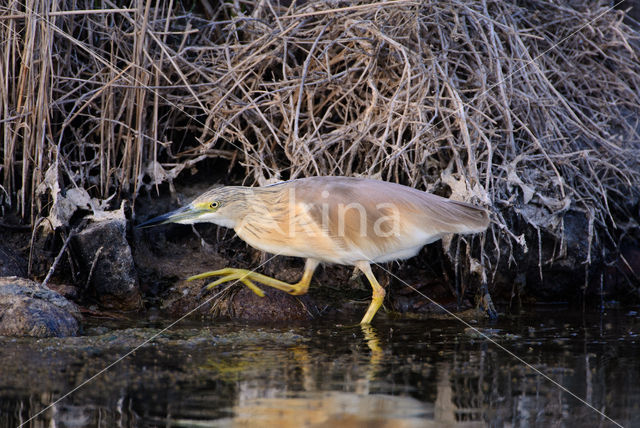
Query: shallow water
[397, 373]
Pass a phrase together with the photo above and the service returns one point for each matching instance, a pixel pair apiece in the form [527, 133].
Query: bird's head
[221, 206]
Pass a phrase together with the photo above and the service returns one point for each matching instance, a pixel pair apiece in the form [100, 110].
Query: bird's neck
[241, 203]
[257, 205]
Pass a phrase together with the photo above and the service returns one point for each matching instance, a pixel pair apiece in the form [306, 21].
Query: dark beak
[183, 213]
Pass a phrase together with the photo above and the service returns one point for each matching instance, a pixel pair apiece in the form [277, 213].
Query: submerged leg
[378, 292]
[247, 277]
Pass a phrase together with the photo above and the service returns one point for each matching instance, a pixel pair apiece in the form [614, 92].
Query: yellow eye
[214, 205]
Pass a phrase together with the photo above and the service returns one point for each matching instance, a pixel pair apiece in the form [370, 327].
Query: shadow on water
[401, 373]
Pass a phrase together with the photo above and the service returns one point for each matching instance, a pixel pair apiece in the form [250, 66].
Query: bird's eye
[214, 205]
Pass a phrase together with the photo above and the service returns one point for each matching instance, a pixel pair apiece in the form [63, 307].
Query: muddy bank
[109, 265]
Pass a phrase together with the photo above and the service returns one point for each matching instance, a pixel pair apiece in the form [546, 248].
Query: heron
[328, 219]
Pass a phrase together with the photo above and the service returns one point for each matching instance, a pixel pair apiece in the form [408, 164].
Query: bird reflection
[377, 353]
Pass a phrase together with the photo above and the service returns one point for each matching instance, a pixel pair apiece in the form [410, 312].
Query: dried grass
[530, 108]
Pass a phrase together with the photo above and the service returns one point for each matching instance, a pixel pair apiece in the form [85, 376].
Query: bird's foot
[229, 274]
[247, 277]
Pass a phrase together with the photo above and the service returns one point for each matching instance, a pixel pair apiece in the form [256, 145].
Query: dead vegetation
[529, 107]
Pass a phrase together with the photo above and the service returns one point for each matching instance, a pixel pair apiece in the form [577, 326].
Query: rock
[565, 277]
[106, 260]
[11, 264]
[553, 269]
[622, 277]
[67, 291]
[29, 309]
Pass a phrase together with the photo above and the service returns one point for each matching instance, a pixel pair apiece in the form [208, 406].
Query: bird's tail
[468, 218]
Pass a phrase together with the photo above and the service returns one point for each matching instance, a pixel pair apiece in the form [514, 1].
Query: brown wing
[432, 212]
[378, 218]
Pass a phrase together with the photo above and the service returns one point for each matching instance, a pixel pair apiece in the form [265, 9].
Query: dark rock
[107, 263]
[65, 290]
[622, 276]
[556, 268]
[29, 309]
[11, 263]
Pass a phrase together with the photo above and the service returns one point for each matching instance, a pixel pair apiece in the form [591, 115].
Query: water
[397, 373]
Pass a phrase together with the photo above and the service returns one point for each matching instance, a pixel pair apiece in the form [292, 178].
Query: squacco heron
[348, 221]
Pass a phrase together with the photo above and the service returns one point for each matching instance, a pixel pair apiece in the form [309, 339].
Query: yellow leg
[378, 292]
[247, 277]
